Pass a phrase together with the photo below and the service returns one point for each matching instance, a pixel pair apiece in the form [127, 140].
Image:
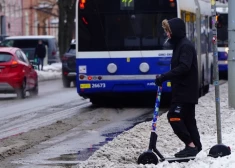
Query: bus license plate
[168, 84]
[85, 86]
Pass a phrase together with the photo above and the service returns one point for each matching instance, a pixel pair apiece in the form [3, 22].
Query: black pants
[182, 120]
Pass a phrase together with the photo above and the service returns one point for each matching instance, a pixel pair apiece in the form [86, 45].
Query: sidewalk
[50, 72]
[124, 150]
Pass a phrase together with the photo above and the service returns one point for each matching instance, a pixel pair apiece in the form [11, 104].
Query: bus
[119, 46]
[222, 37]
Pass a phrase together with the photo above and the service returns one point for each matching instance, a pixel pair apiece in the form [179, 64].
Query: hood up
[176, 27]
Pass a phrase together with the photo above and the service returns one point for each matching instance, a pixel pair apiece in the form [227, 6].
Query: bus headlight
[112, 68]
[144, 67]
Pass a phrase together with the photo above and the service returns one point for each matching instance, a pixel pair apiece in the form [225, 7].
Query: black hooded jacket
[184, 68]
[40, 51]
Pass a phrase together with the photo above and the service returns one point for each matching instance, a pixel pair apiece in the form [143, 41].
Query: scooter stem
[152, 144]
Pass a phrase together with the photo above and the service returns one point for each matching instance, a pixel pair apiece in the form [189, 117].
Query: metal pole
[198, 27]
[231, 54]
[216, 73]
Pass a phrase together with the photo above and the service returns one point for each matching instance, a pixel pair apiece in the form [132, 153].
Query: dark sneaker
[199, 150]
[187, 152]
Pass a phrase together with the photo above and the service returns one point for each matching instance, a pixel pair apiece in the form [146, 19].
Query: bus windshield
[120, 25]
[222, 31]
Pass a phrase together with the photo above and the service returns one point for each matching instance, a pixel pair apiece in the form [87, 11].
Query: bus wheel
[97, 101]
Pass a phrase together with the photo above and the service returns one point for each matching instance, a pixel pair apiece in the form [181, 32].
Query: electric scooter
[152, 154]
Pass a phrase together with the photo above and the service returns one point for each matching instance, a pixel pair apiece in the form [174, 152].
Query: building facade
[11, 17]
[39, 17]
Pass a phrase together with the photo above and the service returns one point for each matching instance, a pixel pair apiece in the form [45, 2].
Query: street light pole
[216, 73]
[218, 150]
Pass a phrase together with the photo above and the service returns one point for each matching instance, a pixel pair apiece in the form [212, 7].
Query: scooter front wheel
[148, 158]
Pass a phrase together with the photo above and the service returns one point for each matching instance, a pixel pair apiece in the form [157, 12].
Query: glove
[159, 80]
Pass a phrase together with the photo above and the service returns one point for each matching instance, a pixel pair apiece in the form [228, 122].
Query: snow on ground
[50, 72]
[124, 150]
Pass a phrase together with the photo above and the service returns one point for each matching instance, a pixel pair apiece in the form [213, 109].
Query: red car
[17, 74]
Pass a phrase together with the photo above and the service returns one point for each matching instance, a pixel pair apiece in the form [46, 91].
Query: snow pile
[53, 67]
[50, 72]
[124, 150]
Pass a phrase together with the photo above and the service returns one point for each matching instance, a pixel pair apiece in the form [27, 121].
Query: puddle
[84, 154]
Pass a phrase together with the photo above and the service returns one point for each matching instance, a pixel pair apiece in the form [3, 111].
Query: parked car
[17, 75]
[69, 66]
[29, 43]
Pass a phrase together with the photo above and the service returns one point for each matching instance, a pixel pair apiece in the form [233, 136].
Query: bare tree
[66, 23]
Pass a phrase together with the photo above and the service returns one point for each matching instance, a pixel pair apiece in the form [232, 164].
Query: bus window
[106, 25]
[222, 31]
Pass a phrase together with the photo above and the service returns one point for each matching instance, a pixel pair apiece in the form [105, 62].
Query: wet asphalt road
[58, 128]
[17, 116]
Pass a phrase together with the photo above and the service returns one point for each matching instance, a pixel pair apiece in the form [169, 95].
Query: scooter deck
[180, 159]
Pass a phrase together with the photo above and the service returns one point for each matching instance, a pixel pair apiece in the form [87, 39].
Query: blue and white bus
[119, 48]
[222, 34]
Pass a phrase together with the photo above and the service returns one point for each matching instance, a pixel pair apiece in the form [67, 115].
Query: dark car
[69, 66]
[28, 44]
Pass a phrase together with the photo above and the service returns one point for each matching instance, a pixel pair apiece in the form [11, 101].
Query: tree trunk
[66, 23]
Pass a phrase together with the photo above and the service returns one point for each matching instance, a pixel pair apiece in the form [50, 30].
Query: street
[119, 56]
[58, 128]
